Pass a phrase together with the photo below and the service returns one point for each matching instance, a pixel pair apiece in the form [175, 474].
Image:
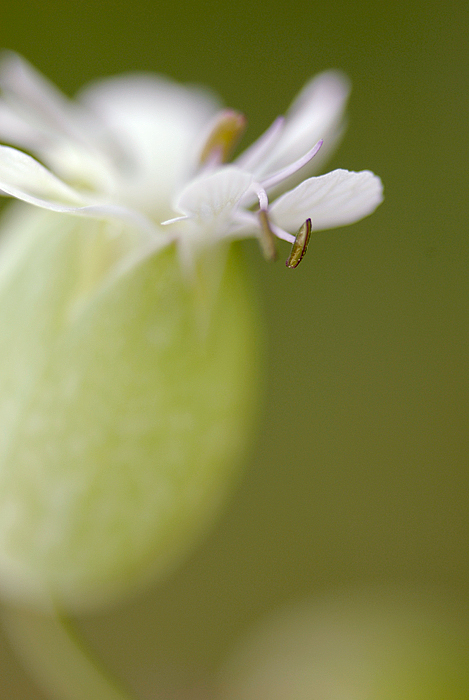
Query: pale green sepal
[123, 415]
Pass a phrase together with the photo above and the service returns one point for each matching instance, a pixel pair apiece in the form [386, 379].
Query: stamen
[282, 174]
[281, 233]
[228, 128]
[174, 221]
[267, 238]
[300, 245]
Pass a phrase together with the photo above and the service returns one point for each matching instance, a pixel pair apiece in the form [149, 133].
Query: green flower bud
[126, 399]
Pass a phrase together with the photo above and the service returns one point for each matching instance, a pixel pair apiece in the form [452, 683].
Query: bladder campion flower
[127, 363]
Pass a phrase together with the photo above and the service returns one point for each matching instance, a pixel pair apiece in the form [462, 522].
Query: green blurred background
[360, 471]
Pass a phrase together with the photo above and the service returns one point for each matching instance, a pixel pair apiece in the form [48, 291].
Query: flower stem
[58, 660]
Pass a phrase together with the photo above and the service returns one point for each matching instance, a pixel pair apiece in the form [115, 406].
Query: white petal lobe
[317, 113]
[215, 195]
[37, 101]
[338, 198]
[155, 124]
[23, 177]
[253, 156]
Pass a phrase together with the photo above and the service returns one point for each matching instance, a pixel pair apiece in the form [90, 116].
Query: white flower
[151, 152]
[128, 394]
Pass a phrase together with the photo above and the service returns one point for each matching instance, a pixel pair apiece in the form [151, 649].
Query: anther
[228, 128]
[300, 245]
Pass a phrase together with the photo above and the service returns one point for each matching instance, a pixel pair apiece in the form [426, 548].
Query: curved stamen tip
[291, 169]
[300, 245]
[226, 131]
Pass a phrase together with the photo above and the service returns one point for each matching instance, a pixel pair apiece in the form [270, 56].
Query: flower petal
[215, 196]
[317, 113]
[157, 125]
[338, 198]
[24, 178]
[251, 159]
[16, 131]
[34, 115]
[37, 101]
